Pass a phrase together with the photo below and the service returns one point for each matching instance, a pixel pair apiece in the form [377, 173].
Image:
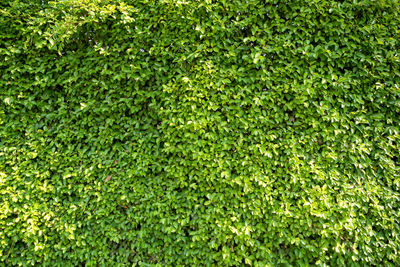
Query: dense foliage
[199, 133]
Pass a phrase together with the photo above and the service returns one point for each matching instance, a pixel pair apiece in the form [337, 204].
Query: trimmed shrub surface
[199, 133]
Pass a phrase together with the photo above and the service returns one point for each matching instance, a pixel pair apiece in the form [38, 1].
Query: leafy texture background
[199, 133]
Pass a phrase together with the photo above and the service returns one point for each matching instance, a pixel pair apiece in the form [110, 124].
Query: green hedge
[199, 133]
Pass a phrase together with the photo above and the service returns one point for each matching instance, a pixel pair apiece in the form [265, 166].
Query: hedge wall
[199, 133]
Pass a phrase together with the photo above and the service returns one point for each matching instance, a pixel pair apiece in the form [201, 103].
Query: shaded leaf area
[199, 133]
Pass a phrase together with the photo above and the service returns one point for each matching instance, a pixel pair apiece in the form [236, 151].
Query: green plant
[199, 133]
